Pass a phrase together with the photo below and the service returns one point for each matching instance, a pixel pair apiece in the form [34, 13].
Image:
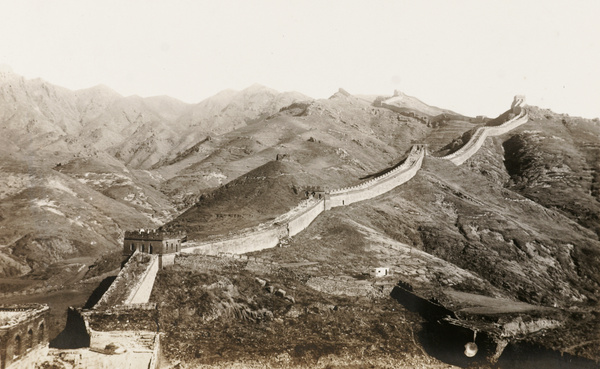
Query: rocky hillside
[518, 221]
[74, 163]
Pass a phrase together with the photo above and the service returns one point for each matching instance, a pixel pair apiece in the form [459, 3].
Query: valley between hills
[518, 222]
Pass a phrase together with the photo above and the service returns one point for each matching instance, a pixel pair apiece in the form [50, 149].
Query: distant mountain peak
[341, 93]
[258, 87]
[6, 73]
[98, 89]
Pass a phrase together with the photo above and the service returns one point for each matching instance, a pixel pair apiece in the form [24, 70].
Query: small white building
[381, 272]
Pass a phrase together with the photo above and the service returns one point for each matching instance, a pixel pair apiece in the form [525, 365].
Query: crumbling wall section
[23, 335]
[30, 360]
[139, 339]
[142, 317]
[98, 359]
[164, 260]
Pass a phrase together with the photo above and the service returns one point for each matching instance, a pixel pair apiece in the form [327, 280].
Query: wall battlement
[153, 242]
[417, 151]
[476, 141]
[299, 218]
[153, 235]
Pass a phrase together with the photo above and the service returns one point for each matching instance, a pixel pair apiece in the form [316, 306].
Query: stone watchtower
[23, 335]
[153, 241]
[517, 104]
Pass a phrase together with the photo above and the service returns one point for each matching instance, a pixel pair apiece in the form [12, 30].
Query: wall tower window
[17, 345]
[41, 332]
[29, 339]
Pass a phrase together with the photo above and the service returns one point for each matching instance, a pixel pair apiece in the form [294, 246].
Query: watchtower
[153, 241]
[23, 335]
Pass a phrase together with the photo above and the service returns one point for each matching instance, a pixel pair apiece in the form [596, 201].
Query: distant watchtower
[153, 241]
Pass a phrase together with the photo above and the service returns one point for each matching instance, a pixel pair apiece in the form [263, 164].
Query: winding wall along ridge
[301, 217]
[272, 235]
[476, 141]
[255, 240]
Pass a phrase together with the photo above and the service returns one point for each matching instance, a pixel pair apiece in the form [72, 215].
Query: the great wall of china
[130, 292]
[299, 218]
[476, 141]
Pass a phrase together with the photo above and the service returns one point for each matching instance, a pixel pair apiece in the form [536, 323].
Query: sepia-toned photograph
[299, 184]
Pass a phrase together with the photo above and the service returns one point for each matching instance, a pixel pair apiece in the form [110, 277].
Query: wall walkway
[134, 282]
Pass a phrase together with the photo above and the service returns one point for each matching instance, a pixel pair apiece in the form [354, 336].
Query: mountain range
[521, 217]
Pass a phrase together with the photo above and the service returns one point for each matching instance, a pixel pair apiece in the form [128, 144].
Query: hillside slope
[46, 216]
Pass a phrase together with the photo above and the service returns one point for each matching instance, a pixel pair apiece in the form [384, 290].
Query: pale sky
[468, 56]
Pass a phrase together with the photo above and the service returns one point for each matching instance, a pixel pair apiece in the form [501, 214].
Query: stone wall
[298, 219]
[240, 244]
[474, 144]
[140, 293]
[137, 275]
[300, 222]
[379, 185]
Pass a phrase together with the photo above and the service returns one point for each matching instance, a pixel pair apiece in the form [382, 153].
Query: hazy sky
[469, 56]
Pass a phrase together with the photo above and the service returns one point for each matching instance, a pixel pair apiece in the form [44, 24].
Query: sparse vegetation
[518, 221]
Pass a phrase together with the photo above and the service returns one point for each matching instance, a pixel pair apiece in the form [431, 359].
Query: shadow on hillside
[446, 342]
[74, 335]
[517, 356]
[98, 292]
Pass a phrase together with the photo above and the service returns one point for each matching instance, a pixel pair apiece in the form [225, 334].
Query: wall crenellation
[297, 219]
[153, 234]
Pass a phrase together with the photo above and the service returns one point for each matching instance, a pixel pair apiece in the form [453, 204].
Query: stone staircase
[146, 340]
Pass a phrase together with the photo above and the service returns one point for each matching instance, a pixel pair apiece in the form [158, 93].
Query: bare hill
[46, 216]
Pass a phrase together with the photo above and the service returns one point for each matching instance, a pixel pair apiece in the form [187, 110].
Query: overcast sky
[468, 56]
